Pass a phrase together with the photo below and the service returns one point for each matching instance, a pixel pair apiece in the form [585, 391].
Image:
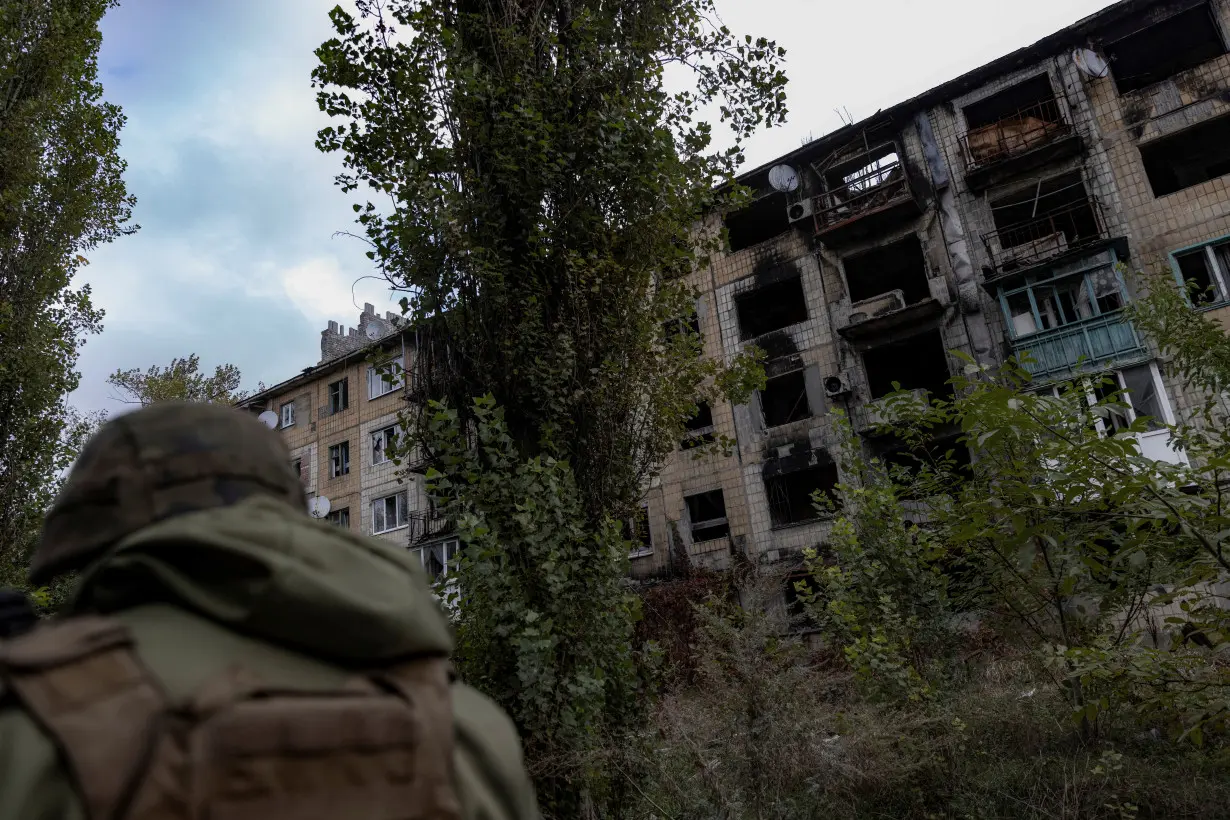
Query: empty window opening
[1190, 157]
[339, 460]
[1042, 221]
[297, 466]
[1047, 302]
[771, 307]
[791, 494]
[758, 222]
[699, 427]
[899, 266]
[1013, 121]
[707, 512]
[917, 362]
[784, 399]
[797, 612]
[339, 395]
[340, 518]
[1205, 273]
[947, 455]
[1182, 41]
[636, 530]
[866, 181]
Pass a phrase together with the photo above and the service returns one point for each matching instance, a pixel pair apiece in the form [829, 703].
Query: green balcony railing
[1089, 342]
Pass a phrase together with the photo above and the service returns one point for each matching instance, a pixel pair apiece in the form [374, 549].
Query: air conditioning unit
[838, 385]
[798, 211]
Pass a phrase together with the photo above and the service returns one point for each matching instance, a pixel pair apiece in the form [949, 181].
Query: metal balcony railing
[1051, 234]
[872, 187]
[1090, 341]
[1015, 134]
[426, 524]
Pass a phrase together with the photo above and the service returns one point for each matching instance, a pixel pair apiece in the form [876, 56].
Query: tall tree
[539, 188]
[61, 194]
[179, 381]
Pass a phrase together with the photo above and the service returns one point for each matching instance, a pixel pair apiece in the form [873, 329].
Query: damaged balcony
[1070, 321]
[866, 191]
[918, 364]
[1043, 225]
[889, 289]
[1016, 130]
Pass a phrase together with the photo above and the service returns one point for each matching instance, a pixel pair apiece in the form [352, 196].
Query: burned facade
[1014, 211]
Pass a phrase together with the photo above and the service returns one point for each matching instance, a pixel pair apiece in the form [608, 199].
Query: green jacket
[293, 600]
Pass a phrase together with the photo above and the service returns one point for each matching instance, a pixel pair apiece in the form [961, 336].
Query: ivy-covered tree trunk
[536, 190]
[61, 194]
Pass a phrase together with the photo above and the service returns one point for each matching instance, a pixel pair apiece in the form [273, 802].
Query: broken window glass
[1204, 270]
[1062, 301]
[1143, 394]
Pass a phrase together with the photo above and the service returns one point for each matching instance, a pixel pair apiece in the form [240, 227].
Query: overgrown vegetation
[1040, 635]
[535, 187]
[61, 195]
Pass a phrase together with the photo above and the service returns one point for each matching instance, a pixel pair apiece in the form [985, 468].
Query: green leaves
[180, 381]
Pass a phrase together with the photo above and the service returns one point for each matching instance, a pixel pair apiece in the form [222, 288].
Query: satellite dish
[373, 332]
[269, 419]
[1090, 63]
[318, 507]
[784, 178]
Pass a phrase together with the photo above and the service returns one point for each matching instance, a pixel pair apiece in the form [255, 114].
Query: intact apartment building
[1016, 209]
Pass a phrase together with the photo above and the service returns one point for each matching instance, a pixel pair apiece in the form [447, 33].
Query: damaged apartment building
[1010, 211]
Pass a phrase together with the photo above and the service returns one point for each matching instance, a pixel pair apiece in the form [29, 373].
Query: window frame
[283, 415]
[1045, 280]
[334, 518]
[343, 393]
[1125, 397]
[450, 556]
[643, 549]
[386, 436]
[400, 505]
[343, 454]
[1220, 278]
[708, 523]
[374, 376]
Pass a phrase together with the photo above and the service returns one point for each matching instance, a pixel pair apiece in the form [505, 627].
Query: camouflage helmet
[158, 462]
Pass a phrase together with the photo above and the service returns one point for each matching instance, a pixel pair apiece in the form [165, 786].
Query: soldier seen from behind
[226, 656]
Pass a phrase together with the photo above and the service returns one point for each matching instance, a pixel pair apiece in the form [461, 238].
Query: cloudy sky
[236, 259]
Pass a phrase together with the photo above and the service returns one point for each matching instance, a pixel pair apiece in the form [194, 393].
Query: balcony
[1095, 341]
[1047, 239]
[1022, 140]
[426, 524]
[866, 193]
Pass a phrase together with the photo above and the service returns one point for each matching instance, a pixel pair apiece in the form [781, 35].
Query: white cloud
[321, 290]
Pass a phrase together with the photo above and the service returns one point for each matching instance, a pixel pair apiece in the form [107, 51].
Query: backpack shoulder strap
[81, 681]
[425, 685]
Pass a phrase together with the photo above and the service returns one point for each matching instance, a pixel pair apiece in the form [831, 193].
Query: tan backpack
[379, 748]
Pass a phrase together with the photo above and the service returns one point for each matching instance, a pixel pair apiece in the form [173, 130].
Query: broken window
[784, 399]
[340, 518]
[790, 494]
[636, 530]
[1136, 389]
[760, 221]
[1153, 53]
[439, 559]
[1042, 221]
[699, 427]
[866, 180]
[1046, 302]
[771, 307]
[339, 395]
[899, 266]
[1206, 271]
[1190, 157]
[1013, 121]
[339, 460]
[941, 455]
[707, 512]
[917, 362]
